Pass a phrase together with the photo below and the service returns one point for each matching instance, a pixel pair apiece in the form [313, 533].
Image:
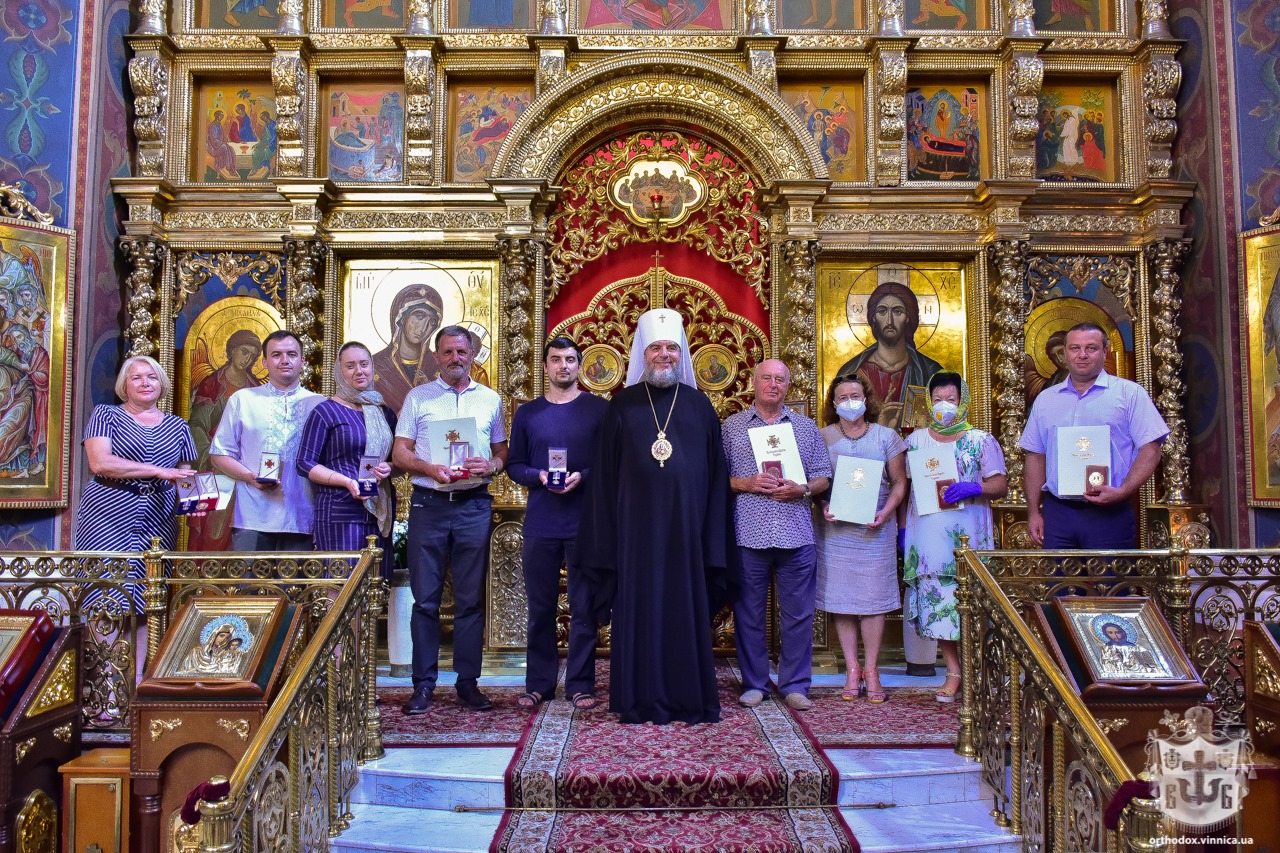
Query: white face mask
[945, 412]
[851, 409]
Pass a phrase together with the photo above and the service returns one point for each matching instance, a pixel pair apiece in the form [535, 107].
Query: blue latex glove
[957, 492]
[902, 539]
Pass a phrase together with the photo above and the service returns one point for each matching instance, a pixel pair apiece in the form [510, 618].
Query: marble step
[435, 778]
[905, 777]
[395, 828]
[965, 827]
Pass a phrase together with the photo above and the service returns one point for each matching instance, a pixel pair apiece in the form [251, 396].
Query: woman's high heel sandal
[854, 676]
[875, 694]
[948, 694]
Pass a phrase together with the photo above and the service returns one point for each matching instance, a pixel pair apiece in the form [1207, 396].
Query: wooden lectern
[201, 703]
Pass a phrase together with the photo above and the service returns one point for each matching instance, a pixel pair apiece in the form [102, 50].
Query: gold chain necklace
[661, 448]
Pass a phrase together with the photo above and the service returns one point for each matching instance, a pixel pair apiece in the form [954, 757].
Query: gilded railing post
[1009, 342]
[1175, 594]
[1015, 744]
[519, 259]
[333, 743]
[1144, 824]
[800, 301]
[374, 602]
[146, 258]
[1058, 789]
[1165, 258]
[305, 304]
[969, 630]
[216, 824]
[155, 599]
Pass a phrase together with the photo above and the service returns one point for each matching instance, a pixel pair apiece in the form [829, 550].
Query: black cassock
[653, 543]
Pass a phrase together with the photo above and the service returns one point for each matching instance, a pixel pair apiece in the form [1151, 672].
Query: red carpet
[751, 759]
[911, 717]
[449, 724]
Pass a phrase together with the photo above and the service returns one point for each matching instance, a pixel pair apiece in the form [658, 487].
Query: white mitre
[660, 324]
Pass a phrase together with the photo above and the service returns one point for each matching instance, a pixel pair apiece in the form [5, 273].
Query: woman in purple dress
[350, 426]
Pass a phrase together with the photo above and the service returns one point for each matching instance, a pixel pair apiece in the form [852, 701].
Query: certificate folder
[929, 467]
[1080, 448]
[855, 489]
[778, 442]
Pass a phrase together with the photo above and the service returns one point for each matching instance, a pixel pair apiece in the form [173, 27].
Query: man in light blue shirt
[270, 515]
[449, 517]
[1105, 519]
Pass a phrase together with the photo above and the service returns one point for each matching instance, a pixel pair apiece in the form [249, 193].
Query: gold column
[289, 77]
[553, 14]
[1165, 258]
[799, 350]
[419, 104]
[421, 14]
[149, 72]
[1155, 19]
[1025, 80]
[146, 257]
[304, 306]
[1008, 341]
[1161, 77]
[519, 259]
[891, 95]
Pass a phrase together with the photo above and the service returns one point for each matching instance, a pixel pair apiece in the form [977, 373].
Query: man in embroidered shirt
[1090, 397]
[774, 522]
[261, 428]
[653, 540]
[449, 516]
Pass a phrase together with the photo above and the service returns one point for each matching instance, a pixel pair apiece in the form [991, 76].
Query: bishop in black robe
[653, 540]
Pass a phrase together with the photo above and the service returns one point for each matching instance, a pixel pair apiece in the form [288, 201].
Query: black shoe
[922, 670]
[419, 702]
[469, 696]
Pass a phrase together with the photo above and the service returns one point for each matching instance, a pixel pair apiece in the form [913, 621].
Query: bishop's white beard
[663, 378]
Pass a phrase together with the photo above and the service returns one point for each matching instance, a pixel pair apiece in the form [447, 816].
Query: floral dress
[929, 564]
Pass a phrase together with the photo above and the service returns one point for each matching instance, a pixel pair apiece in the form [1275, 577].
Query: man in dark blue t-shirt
[553, 440]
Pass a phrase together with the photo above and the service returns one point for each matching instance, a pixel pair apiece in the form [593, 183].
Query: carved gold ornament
[239, 728]
[37, 825]
[63, 733]
[20, 751]
[1112, 725]
[1266, 681]
[159, 727]
[60, 689]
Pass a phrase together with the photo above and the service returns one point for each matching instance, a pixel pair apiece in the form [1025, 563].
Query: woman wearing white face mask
[857, 564]
[929, 562]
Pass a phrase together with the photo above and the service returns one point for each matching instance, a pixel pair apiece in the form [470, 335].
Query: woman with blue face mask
[929, 562]
[858, 564]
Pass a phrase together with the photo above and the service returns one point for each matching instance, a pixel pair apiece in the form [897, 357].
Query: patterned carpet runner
[447, 723]
[753, 758]
[911, 717]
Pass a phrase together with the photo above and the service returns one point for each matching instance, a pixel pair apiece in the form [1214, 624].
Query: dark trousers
[454, 535]
[796, 574]
[542, 559]
[1080, 524]
[244, 539]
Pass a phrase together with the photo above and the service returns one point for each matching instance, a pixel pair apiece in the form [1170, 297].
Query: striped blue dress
[112, 519]
[334, 436]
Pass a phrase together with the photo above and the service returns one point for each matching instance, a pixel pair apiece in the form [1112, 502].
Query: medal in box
[268, 467]
[459, 451]
[365, 478]
[198, 493]
[557, 467]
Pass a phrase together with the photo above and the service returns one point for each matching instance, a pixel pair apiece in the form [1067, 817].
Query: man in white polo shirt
[261, 428]
[449, 517]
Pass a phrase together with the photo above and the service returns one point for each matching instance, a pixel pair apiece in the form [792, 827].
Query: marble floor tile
[483, 764]
[395, 829]
[937, 827]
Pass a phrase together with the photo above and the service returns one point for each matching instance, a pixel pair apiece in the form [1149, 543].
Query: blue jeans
[443, 534]
[796, 574]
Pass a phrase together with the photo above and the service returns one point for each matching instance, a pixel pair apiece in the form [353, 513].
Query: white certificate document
[930, 466]
[440, 434]
[1079, 447]
[778, 442]
[855, 489]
